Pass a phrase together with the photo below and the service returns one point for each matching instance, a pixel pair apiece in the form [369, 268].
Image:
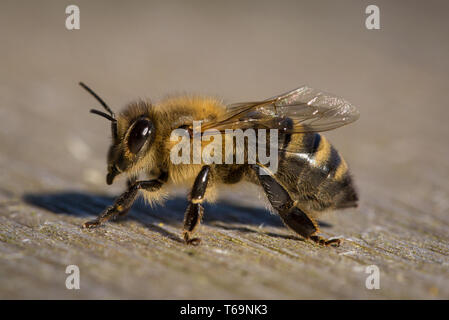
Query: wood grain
[52, 152]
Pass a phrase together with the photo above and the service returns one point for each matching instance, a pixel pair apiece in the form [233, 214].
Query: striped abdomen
[315, 173]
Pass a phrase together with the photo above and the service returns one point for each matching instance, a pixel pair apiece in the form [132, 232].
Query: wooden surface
[52, 152]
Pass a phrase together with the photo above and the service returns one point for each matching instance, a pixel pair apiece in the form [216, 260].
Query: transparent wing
[309, 109]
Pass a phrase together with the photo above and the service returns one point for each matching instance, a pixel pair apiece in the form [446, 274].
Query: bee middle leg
[195, 210]
[291, 215]
[123, 203]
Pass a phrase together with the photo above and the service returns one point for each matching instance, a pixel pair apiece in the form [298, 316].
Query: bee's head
[129, 146]
[132, 135]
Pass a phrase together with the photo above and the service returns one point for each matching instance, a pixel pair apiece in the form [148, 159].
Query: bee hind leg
[291, 215]
[195, 210]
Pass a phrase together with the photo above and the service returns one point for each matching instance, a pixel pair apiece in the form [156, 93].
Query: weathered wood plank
[52, 153]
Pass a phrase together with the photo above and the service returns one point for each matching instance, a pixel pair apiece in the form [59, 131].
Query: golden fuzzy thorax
[167, 115]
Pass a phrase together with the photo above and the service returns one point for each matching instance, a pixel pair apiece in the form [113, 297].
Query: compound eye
[139, 134]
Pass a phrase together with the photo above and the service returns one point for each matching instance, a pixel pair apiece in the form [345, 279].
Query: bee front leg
[123, 203]
[129, 184]
[291, 215]
[195, 210]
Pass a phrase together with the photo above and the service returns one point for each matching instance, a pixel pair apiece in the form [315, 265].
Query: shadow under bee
[221, 214]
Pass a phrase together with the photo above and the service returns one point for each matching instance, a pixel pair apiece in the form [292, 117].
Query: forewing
[310, 110]
[313, 111]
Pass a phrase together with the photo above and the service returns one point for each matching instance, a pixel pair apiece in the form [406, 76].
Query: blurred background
[239, 51]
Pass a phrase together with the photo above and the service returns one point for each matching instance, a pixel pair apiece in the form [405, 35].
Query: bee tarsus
[326, 242]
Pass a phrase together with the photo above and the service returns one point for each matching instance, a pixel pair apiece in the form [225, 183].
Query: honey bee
[311, 175]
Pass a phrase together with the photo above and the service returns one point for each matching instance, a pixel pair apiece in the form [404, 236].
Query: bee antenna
[105, 106]
[104, 115]
[110, 116]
